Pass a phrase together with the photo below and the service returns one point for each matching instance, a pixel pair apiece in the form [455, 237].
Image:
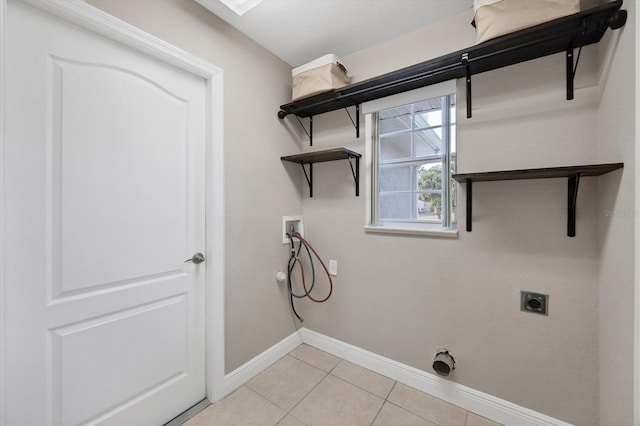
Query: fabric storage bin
[321, 75]
[494, 18]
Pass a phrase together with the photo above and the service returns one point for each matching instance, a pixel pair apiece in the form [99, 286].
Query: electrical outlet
[333, 268]
[291, 224]
[535, 303]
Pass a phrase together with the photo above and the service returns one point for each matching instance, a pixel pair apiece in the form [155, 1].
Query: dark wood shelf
[560, 35]
[544, 173]
[321, 156]
[573, 173]
[309, 158]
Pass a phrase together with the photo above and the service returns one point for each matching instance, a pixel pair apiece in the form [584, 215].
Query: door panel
[107, 177]
[104, 173]
[125, 345]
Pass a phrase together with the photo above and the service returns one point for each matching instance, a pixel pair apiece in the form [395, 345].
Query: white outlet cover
[333, 268]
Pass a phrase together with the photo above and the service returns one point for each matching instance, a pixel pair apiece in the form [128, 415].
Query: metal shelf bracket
[356, 123]
[572, 198]
[355, 171]
[308, 177]
[469, 188]
[332, 154]
[572, 201]
[570, 72]
[571, 68]
[572, 173]
[310, 132]
[467, 73]
[356, 174]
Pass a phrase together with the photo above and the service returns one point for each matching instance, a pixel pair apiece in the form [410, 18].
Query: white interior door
[104, 200]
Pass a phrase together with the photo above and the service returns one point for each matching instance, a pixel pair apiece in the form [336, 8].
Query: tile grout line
[361, 388]
[281, 419]
[364, 390]
[378, 413]
[415, 414]
[247, 385]
[307, 394]
[314, 366]
[344, 380]
[430, 420]
[289, 414]
[303, 397]
[316, 385]
[395, 382]
[337, 364]
[406, 409]
[265, 398]
[356, 386]
[384, 399]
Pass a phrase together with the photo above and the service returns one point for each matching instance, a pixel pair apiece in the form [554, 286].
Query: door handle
[196, 258]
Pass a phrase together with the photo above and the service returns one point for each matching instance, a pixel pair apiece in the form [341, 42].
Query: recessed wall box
[291, 224]
[536, 303]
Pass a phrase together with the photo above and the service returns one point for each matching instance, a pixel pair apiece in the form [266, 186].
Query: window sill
[442, 233]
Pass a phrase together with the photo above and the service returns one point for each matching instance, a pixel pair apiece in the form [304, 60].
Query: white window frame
[370, 110]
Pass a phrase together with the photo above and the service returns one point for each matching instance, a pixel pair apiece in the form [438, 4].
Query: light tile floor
[311, 387]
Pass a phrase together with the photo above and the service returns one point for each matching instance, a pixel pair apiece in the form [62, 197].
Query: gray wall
[259, 191]
[404, 297]
[616, 141]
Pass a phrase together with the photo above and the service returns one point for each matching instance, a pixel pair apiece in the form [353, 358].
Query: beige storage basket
[312, 81]
[495, 18]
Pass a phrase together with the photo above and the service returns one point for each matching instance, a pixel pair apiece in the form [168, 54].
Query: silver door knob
[196, 258]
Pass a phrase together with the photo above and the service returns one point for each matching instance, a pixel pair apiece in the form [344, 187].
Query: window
[413, 156]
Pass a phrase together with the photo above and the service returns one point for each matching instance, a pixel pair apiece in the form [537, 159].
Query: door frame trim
[89, 17]
[3, 26]
[636, 329]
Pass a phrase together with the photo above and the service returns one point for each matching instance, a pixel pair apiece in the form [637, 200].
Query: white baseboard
[486, 405]
[255, 366]
[470, 399]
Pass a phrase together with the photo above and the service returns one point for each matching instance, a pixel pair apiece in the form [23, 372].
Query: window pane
[430, 177]
[428, 142]
[428, 113]
[396, 146]
[430, 206]
[396, 206]
[414, 141]
[395, 178]
[395, 119]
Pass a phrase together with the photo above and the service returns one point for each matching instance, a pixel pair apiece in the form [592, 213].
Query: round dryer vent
[443, 362]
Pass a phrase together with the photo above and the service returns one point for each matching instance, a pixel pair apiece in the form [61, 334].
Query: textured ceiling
[299, 31]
